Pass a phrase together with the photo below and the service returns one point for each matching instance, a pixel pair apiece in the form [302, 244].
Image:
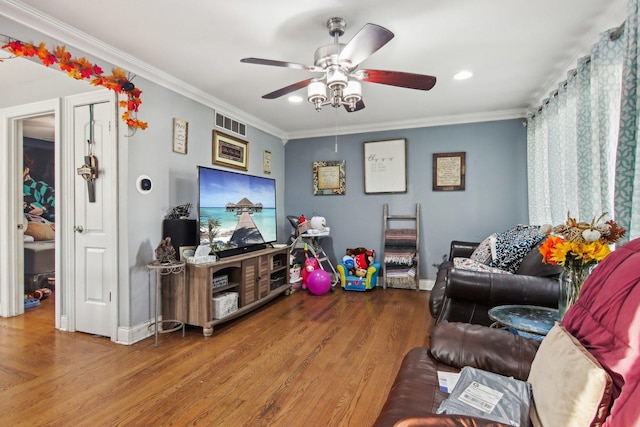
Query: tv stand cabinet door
[199, 291]
[250, 277]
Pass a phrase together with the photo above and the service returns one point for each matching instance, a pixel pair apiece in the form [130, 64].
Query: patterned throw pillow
[470, 264]
[512, 246]
[483, 252]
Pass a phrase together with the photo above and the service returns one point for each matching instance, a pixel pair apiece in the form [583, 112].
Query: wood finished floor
[302, 360]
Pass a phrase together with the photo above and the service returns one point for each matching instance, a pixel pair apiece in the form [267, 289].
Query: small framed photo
[329, 178]
[229, 151]
[186, 252]
[266, 161]
[449, 171]
[180, 135]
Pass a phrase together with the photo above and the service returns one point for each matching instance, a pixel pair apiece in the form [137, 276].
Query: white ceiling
[516, 49]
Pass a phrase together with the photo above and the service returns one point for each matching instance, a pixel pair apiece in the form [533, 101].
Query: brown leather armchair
[466, 296]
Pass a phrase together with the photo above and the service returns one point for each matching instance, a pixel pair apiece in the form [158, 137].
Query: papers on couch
[447, 380]
[489, 395]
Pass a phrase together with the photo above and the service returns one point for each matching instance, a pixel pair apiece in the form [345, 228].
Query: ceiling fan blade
[364, 44]
[274, 63]
[287, 89]
[359, 106]
[398, 78]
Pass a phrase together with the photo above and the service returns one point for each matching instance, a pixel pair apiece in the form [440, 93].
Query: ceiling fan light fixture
[353, 93]
[317, 94]
[337, 78]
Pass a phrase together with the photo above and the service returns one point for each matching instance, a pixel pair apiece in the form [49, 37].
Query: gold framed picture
[229, 151]
[449, 171]
[329, 178]
[266, 161]
[180, 135]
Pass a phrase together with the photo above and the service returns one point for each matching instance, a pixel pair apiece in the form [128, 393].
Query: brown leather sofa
[466, 296]
[415, 393]
[604, 323]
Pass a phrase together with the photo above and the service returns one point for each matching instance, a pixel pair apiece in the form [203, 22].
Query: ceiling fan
[338, 63]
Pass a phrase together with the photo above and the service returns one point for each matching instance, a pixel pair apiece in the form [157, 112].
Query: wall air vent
[231, 125]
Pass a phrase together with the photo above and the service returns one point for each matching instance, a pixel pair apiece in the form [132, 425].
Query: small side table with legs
[161, 270]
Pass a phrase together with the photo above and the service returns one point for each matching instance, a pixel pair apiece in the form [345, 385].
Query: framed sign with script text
[385, 166]
[229, 151]
[329, 178]
[180, 135]
[448, 171]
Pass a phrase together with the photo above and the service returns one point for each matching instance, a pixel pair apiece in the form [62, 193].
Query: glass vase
[571, 280]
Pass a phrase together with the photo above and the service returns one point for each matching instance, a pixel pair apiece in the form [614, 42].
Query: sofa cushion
[472, 265]
[570, 387]
[482, 253]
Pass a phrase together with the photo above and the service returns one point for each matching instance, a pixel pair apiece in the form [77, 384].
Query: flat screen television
[236, 211]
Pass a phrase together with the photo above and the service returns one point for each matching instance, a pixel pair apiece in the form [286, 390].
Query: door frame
[11, 243]
[11, 225]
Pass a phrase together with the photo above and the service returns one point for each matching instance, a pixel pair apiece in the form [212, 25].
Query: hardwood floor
[301, 360]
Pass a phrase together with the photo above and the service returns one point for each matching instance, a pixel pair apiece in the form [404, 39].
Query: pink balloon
[319, 282]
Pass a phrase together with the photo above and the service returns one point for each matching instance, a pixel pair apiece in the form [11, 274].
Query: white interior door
[95, 221]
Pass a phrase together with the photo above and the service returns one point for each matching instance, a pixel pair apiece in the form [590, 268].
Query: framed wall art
[266, 161]
[229, 151]
[385, 166]
[180, 135]
[448, 171]
[329, 178]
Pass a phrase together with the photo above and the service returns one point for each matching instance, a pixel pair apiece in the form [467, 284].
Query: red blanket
[606, 320]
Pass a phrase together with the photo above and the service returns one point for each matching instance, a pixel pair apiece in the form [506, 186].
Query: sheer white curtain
[627, 193]
[572, 140]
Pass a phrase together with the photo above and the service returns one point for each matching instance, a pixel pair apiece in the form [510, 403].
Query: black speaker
[183, 232]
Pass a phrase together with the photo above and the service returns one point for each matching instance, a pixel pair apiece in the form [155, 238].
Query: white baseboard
[426, 285]
[131, 335]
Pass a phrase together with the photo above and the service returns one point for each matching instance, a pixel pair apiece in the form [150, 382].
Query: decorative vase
[571, 280]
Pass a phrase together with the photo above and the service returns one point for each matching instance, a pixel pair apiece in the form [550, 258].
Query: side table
[177, 268]
[527, 320]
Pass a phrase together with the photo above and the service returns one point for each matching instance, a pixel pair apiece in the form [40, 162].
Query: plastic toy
[310, 265]
[319, 282]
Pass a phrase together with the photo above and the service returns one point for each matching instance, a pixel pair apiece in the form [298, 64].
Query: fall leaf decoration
[82, 69]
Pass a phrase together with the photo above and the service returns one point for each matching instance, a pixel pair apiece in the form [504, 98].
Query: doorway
[85, 231]
[38, 148]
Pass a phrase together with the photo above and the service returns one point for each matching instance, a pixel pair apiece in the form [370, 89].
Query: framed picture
[266, 161]
[186, 251]
[329, 178]
[229, 151]
[385, 166]
[180, 135]
[448, 171]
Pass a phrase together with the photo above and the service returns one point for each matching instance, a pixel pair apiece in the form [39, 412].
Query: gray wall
[149, 152]
[495, 196]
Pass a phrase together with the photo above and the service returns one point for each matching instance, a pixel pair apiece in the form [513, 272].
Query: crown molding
[412, 124]
[45, 24]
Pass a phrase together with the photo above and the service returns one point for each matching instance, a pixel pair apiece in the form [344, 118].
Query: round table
[527, 320]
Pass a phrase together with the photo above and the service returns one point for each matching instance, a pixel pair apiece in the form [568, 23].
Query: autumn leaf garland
[82, 69]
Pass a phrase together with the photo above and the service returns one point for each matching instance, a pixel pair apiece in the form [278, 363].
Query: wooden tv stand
[257, 277]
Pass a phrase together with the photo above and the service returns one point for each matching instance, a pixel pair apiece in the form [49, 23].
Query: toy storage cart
[315, 250]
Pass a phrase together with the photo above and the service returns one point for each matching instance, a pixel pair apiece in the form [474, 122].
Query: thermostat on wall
[144, 184]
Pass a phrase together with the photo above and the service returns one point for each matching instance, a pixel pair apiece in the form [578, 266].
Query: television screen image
[235, 211]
